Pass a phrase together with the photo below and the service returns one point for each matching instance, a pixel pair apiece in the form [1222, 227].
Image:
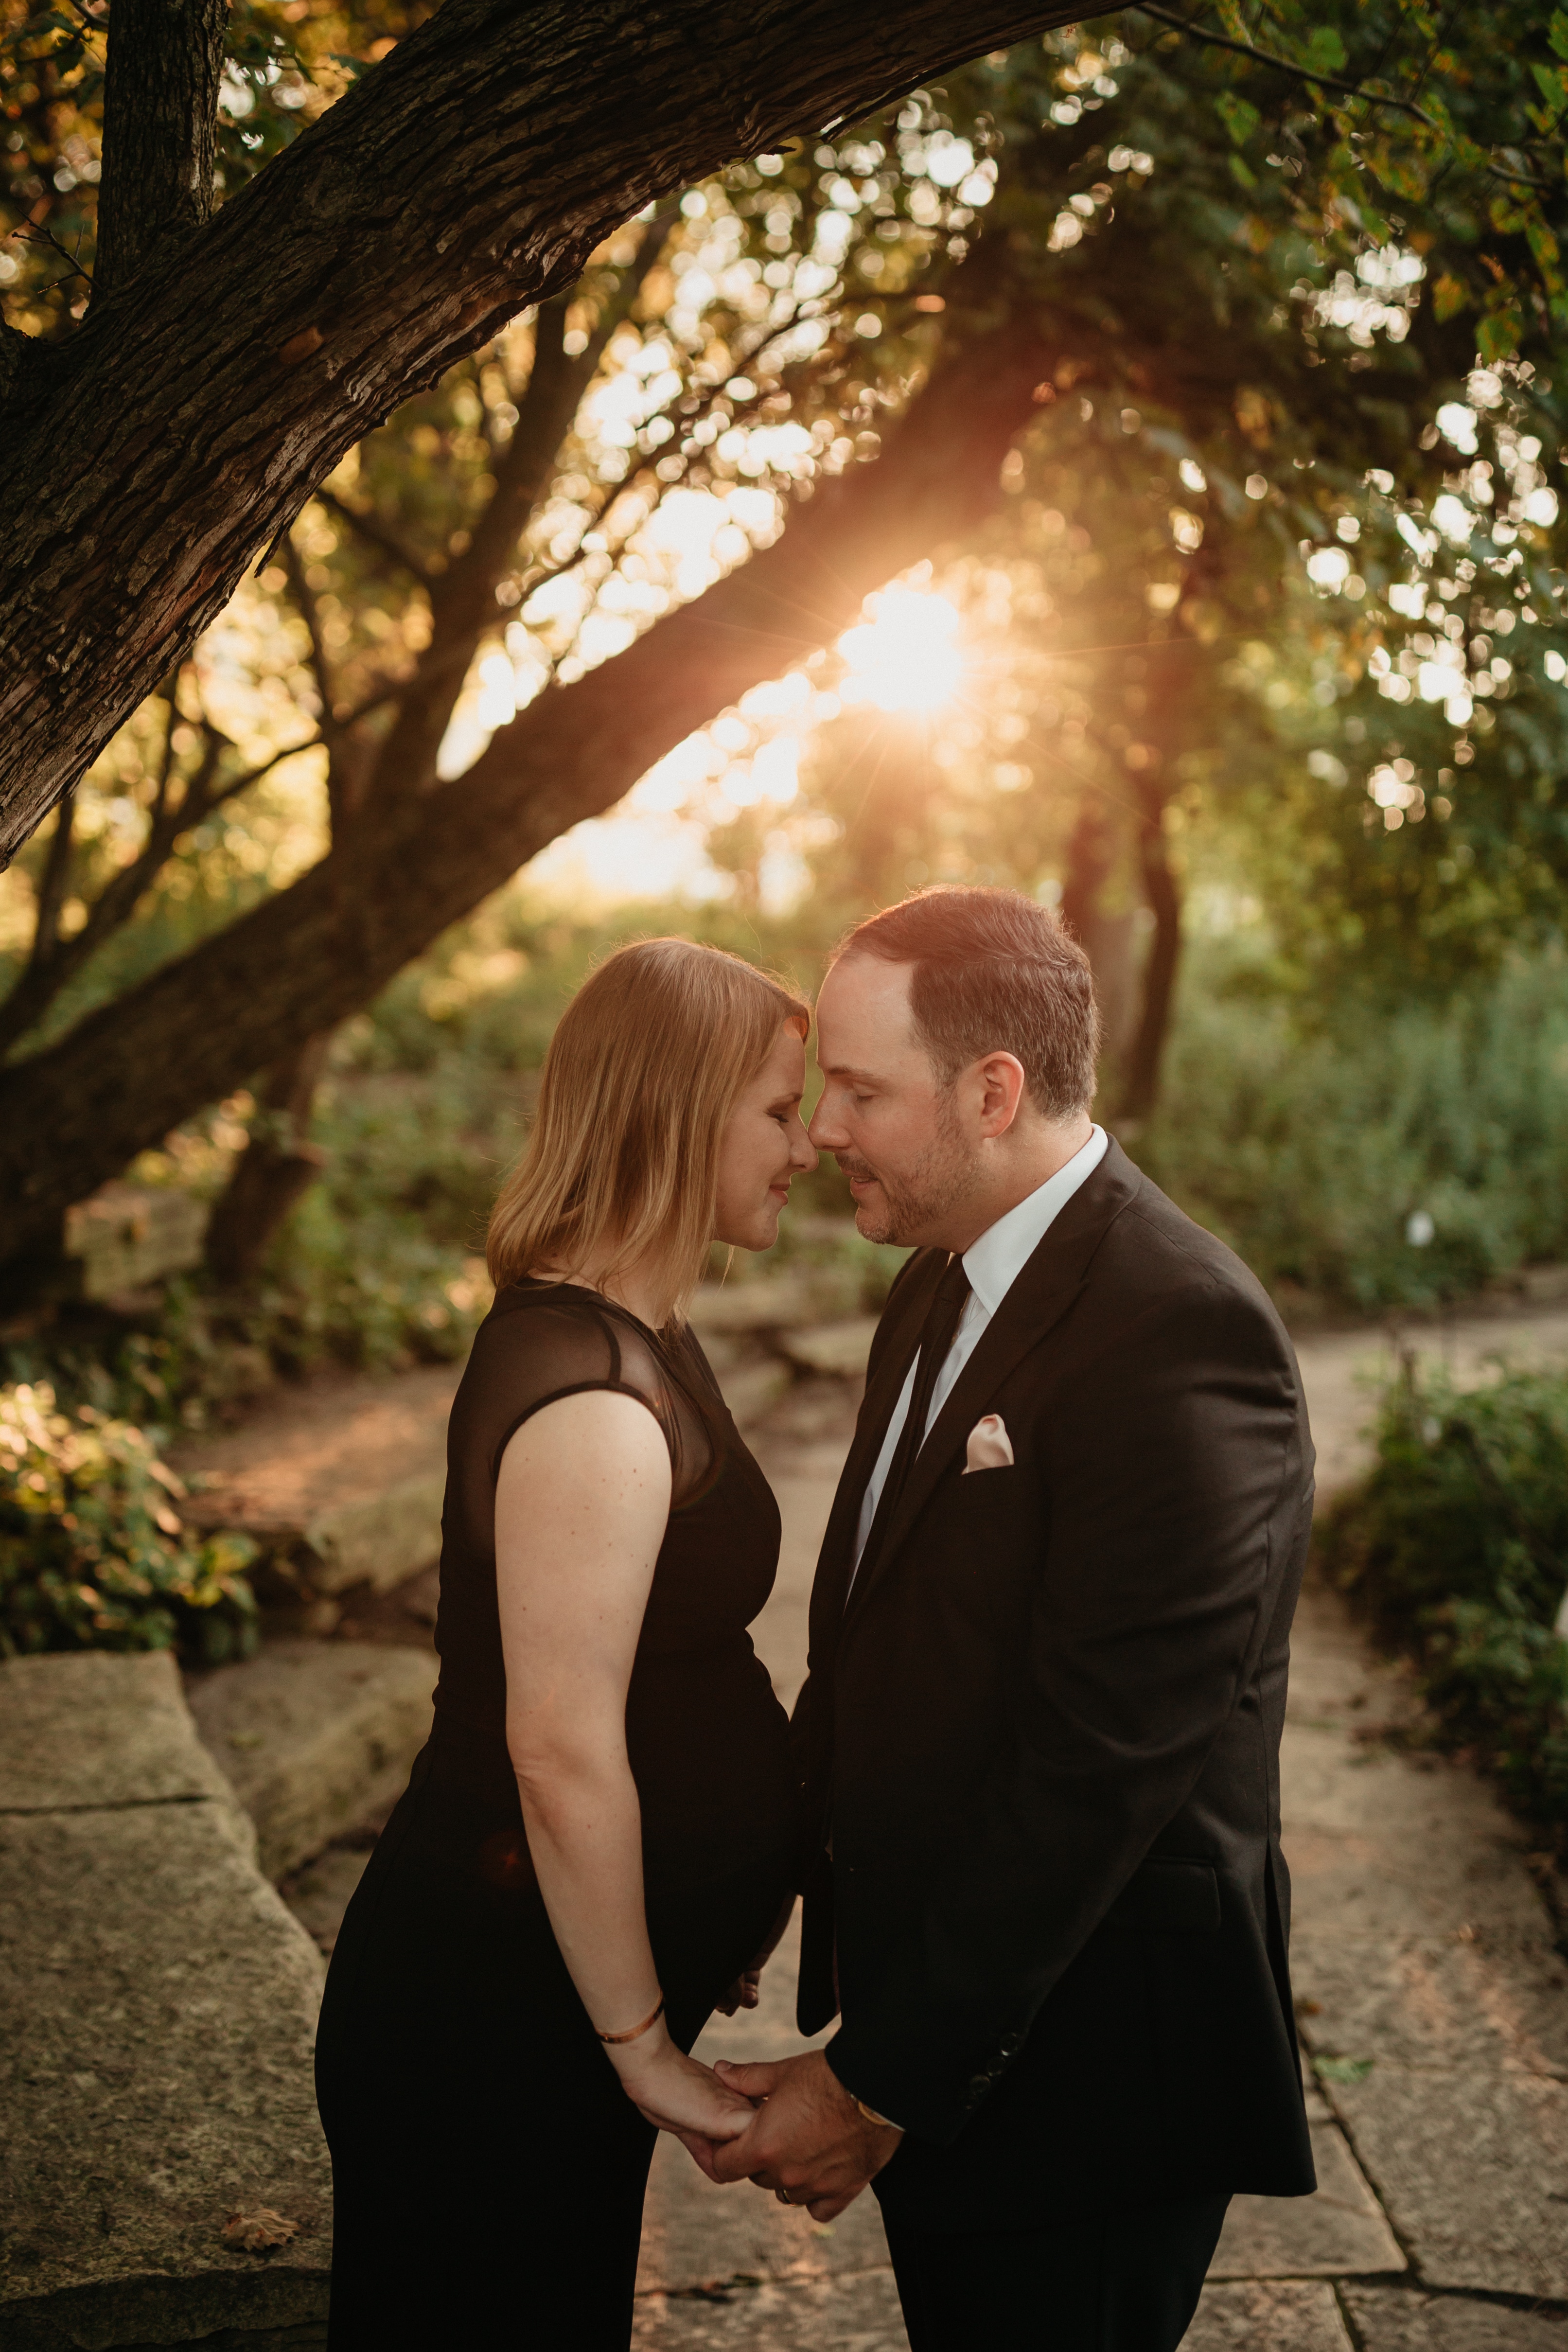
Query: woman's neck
[632, 1287]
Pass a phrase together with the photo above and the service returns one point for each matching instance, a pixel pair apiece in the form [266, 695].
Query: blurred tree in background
[1209, 370]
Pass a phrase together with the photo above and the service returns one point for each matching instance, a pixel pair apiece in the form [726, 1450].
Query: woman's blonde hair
[644, 1068]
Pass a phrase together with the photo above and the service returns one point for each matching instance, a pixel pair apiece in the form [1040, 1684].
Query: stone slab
[351, 1471]
[1406, 2319]
[1471, 2167]
[315, 1737]
[1473, 1999]
[750, 1388]
[856, 2313]
[155, 2075]
[1273, 2315]
[839, 1349]
[127, 1235]
[93, 1729]
[318, 1894]
[770, 1303]
[1340, 2232]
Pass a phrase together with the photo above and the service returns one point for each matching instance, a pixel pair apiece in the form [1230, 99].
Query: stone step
[839, 1349]
[155, 2068]
[315, 1737]
[340, 1481]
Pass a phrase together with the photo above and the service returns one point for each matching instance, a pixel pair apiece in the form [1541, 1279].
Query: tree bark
[160, 130]
[304, 960]
[471, 173]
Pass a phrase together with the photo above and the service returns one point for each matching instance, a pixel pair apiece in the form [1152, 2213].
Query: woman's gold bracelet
[637, 2031]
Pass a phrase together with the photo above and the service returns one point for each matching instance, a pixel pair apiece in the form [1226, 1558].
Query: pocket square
[989, 1447]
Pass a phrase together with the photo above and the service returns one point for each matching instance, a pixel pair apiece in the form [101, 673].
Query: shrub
[94, 1554]
[1457, 1546]
[1311, 1137]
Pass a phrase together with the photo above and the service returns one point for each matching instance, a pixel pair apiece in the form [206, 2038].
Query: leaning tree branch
[471, 173]
[46, 978]
[1180, 24]
[74, 1114]
[160, 130]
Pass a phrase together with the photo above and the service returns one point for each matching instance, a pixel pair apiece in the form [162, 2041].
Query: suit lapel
[1041, 1295]
[836, 1559]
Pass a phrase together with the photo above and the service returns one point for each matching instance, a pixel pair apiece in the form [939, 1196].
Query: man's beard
[940, 1179]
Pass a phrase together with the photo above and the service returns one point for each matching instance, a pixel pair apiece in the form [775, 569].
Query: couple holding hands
[1030, 1792]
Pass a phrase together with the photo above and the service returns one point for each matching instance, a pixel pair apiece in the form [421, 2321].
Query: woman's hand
[678, 2094]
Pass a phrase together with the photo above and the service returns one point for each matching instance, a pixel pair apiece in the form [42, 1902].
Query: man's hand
[810, 2144]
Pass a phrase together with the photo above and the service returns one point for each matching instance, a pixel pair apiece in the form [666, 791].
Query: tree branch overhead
[470, 174]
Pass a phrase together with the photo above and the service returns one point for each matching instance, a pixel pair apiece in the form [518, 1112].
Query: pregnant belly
[710, 1749]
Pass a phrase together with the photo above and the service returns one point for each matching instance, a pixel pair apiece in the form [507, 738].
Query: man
[1048, 1644]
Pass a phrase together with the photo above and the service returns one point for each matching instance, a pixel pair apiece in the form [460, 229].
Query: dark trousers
[1114, 2283]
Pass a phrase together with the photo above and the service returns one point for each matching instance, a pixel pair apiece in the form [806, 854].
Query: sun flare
[905, 656]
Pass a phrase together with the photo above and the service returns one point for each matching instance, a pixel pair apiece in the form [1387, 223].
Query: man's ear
[1002, 1089]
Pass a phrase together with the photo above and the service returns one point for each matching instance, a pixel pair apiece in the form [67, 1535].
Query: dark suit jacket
[1043, 1739]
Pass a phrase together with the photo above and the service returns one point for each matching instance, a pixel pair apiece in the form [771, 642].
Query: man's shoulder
[1154, 1248]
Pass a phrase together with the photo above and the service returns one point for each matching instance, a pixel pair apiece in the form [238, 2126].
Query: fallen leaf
[255, 2231]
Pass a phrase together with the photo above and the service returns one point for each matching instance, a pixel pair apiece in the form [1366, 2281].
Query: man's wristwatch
[872, 2118]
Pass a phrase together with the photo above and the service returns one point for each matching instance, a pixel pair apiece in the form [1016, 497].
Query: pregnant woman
[597, 1846]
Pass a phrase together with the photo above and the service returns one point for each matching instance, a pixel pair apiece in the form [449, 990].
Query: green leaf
[1448, 298]
[1343, 2070]
[1557, 31]
[1238, 118]
[1325, 50]
[1497, 336]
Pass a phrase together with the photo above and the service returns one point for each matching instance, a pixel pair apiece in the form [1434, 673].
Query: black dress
[488, 2170]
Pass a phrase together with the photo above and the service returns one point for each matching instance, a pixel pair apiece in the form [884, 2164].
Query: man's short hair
[994, 972]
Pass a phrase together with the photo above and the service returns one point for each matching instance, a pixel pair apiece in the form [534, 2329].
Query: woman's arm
[581, 1504]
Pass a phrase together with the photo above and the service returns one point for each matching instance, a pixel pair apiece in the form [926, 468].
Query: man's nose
[828, 1133]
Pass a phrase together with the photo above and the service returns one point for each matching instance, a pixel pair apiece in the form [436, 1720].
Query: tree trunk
[1107, 938]
[275, 1167]
[471, 173]
[306, 958]
[1141, 1085]
[160, 130]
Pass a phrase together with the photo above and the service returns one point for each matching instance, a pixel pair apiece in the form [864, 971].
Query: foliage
[1457, 1546]
[1310, 1135]
[1236, 590]
[94, 1554]
[286, 63]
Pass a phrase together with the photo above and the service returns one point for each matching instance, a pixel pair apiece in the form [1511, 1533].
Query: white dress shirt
[993, 1265]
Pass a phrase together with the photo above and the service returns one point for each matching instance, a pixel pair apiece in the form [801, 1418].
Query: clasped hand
[807, 2139]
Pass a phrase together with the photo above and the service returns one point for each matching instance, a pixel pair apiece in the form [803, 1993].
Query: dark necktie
[936, 1336]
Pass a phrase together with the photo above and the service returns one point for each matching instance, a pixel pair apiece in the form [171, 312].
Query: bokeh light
[905, 656]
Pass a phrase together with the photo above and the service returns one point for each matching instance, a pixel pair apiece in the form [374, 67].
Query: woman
[599, 1838]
